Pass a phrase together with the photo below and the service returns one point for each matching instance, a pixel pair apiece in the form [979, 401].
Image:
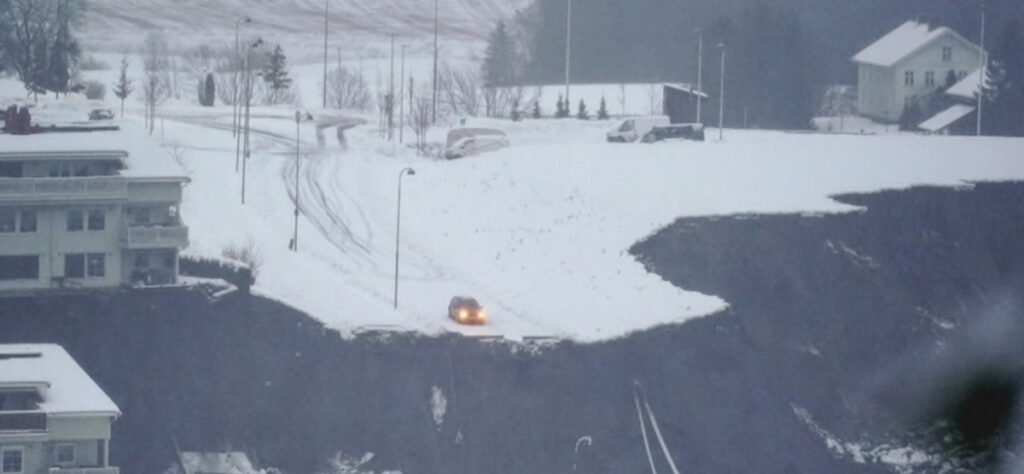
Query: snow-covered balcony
[22, 421]
[62, 189]
[154, 237]
[85, 470]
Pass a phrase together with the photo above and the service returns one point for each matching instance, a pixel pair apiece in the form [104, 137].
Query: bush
[95, 90]
[249, 254]
[90, 63]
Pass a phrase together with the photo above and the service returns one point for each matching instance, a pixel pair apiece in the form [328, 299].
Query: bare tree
[420, 119]
[123, 88]
[347, 89]
[460, 91]
[156, 87]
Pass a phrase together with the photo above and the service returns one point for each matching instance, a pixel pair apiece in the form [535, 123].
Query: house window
[96, 265]
[21, 267]
[8, 222]
[74, 265]
[929, 78]
[947, 53]
[64, 454]
[140, 216]
[76, 220]
[12, 460]
[29, 222]
[908, 78]
[97, 219]
[10, 170]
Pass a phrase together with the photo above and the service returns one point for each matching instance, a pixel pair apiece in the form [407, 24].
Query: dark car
[684, 131]
[466, 310]
[101, 114]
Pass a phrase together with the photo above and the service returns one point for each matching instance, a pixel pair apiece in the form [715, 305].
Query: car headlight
[482, 315]
[463, 314]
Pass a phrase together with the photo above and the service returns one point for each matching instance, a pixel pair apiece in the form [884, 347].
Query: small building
[679, 102]
[233, 462]
[956, 113]
[54, 419]
[87, 208]
[912, 61]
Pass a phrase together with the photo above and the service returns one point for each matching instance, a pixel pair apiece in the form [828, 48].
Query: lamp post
[433, 101]
[721, 98]
[325, 53]
[295, 233]
[398, 224]
[981, 73]
[576, 452]
[248, 102]
[401, 99]
[700, 68]
[234, 102]
[568, 50]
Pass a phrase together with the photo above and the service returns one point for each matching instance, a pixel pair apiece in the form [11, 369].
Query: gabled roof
[67, 389]
[967, 88]
[946, 118]
[900, 43]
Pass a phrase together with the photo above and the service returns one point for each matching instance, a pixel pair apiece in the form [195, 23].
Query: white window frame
[3, 453]
[56, 454]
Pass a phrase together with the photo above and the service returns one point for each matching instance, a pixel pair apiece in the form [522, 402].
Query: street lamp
[234, 104]
[325, 52]
[700, 66]
[401, 99]
[248, 101]
[398, 225]
[721, 92]
[295, 233]
[576, 453]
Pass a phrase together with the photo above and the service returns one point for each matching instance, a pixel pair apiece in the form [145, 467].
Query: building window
[29, 222]
[8, 221]
[64, 454]
[947, 53]
[20, 267]
[140, 216]
[74, 265]
[76, 221]
[908, 78]
[929, 78]
[97, 219]
[96, 265]
[12, 460]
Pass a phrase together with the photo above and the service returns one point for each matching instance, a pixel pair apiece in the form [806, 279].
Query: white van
[635, 128]
[464, 142]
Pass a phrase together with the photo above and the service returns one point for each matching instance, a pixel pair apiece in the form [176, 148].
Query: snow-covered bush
[95, 90]
[249, 254]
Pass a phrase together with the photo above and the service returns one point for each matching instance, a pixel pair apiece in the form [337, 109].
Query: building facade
[54, 419]
[77, 210]
[909, 63]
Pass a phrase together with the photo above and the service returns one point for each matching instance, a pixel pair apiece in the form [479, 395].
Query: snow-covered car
[466, 310]
[463, 142]
[101, 114]
[682, 131]
[636, 128]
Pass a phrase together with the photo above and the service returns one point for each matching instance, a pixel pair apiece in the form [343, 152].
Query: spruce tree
[211, 90]
[515, 110]
[602, 113]
[559, 108]
[275, 74]
[582, 111]
[499, 69]
[536, 109]
[123, 88]
[1004, 92]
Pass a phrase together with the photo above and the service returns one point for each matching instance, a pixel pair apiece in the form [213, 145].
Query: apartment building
[88, 209]
[54, 419]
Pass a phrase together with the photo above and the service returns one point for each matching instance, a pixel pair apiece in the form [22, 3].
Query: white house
[88, 209]
[54, 419]
[911, 61]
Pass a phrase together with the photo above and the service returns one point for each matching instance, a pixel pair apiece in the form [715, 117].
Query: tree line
[38, 44]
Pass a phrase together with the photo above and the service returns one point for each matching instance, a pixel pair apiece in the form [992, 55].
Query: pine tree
[210, 91]
[602, 113]
[499, 66]
[582, 111]
[536, 109]
[559, 108]
[63, 53]
[123, 88]
[1004, 93]
[515, 110]
[275, 74]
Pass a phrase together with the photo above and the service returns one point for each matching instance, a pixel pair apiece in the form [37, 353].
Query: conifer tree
[1004, 92]
[123, 88]
[602, 113]
[536, 109]
[275, 74]
[582, 113]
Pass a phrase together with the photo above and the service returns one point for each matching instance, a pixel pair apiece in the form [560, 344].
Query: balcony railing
[22, 421]
[56, 189]
[85, 470]
[155, 237]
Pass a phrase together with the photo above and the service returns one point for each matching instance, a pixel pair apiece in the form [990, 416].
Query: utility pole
[401, 99]
[398, 225]
[568, 51]
[700, 72]
[391, 94]
[721, 99]
[248, 102]
[295, 233]
[982, 72]
[433, 102]
[325, 51]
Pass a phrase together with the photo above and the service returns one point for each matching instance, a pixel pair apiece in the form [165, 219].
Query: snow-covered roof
[687, 88]
[216, 463]
[967, 87]
[141, 155]
[901, 43]
[67, 389]
[946, 118]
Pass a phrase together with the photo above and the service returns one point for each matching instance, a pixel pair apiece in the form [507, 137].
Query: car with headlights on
[466, 310]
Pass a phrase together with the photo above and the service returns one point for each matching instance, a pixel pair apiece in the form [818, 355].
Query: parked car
[683, 131]
[636, 128]
[466, 310]
[463, 142]
[101, 114]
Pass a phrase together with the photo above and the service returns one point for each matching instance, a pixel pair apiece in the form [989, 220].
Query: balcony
[139, 238]
[22, 421]
[63, 189]
[85, 470]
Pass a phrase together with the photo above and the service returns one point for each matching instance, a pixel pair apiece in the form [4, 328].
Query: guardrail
[155, 237]
[22, 421]
[17, 189]
[85, 470]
